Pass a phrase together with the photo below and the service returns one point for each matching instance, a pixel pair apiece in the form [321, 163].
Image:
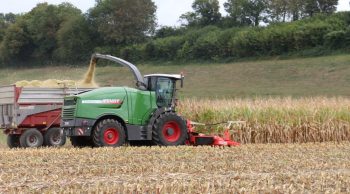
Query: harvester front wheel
[31, 138]
[54, 137]
[110, 133]
[169, 130]
[13, 141]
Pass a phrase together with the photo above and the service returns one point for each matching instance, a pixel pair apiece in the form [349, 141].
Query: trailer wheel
[169, 130]
[81, 141]
[54, 137]
[31, 138]
[13, 141]
[109, 132]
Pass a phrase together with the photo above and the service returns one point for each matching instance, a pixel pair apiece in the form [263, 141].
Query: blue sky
[168, 12]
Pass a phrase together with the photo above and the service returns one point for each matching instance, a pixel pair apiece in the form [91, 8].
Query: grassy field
[272, 168]
[319, 76]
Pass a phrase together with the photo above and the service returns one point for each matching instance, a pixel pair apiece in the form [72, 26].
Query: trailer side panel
[7, 106]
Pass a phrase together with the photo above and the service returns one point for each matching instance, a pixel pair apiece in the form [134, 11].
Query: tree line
[128, 28]
[253, 12]
[62, 33]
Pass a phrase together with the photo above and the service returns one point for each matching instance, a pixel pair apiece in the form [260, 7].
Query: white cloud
[343, 5]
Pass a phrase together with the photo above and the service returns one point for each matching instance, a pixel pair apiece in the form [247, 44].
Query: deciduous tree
[16, 44]
[43, 23]
[207, 11]
[5, 21]
[74, 40]
[122, 22]
[284, 10]
[320, 6]
[246, 12]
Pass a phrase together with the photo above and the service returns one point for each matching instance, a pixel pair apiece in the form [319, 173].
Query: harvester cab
[164, 86]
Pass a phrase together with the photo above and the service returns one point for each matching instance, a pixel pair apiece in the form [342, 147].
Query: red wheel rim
[56, 138]
[111, 136]
[171, 131]
[32, 140]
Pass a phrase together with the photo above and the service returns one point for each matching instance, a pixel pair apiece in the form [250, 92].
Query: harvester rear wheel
[80, 142]
[110, 133]
[31, 138]
[54, 137]
[169, 130]
[13, 141]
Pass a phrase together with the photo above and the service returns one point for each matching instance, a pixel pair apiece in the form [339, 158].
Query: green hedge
[214, 43]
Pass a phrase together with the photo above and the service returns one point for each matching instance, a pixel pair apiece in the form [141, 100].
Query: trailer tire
[169, 129]
[54, 137]
[13, 141]
[81, 141]
[31, 138]
[109, 132]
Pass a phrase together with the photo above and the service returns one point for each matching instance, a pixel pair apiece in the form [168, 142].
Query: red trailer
[30, 117]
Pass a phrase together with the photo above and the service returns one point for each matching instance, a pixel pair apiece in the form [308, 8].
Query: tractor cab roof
[171, 76]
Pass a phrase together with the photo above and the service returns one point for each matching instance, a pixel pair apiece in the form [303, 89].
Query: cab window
[164, 91]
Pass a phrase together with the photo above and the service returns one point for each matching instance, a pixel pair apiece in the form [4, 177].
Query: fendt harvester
[145, 115]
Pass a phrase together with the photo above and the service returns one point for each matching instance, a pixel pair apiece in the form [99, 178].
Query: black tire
[81, 141]
[109, 133]
[169, 130]
[54, 137]
[31, 138]
[13, 141]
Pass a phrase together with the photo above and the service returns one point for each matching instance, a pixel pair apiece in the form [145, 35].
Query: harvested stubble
[276, 120]
[253, 168]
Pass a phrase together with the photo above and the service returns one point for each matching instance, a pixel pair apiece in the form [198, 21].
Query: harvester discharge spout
[139, 78]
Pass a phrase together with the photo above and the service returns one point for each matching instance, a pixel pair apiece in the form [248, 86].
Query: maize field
[275, 120]
[292, 161]
[252, 168]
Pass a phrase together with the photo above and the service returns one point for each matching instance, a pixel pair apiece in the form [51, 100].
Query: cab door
[165, 88]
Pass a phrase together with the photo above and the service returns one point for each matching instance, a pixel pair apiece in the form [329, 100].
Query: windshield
[164, 92]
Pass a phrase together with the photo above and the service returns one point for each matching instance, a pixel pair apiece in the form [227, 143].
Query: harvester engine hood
[104, 97]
